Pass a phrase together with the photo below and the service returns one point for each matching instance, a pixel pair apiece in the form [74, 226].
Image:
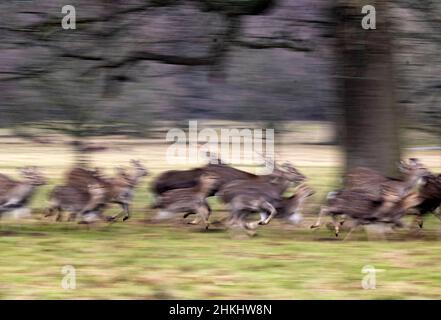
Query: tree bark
[370, 119]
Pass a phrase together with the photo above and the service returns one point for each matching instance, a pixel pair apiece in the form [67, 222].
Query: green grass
[143, 259]
[172, 261]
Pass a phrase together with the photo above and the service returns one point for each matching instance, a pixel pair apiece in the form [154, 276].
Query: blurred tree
[129, 61]
[366, 73]
[80, 93]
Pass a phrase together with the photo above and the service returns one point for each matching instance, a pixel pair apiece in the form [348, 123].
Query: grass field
[143, 259]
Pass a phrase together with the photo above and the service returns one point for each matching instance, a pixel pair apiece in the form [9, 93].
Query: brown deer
[272, 185]
[372, 189]
[17, 194]
[244, 204]
[370, 181]
[430, 193]
[363, 209]
[177, 179]
[73, 200]
[189, 200]
[119, 189]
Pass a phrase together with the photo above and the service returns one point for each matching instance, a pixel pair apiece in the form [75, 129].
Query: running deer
[271, 186]
[73, 200]
[17, 194]
[364, 209]
[188, 200]
[242, 205]
[430, 193]
[374, 189]
[370, 181]
[177, 179]
[119, 189]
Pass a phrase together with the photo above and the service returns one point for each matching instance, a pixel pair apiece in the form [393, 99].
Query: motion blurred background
[338, 96]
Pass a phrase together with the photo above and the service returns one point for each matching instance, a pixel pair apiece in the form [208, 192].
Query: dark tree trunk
[370, 132]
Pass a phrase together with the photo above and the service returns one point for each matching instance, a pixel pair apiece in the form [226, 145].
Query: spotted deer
[271, 186]
[244, 204]
[118, 189]
[189, 200]
[177, 179]
[430, 193]
[363, 209]
[73, 200]
[17, 194]
[368, 195]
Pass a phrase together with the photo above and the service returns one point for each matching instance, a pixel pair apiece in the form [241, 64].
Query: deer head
[290, 173]
[33, 176]
[413, 168]
[140, 170]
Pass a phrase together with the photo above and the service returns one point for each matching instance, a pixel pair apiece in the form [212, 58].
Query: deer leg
[350, 231]
[272, 212]
[233, 219]
[204, 214]
[343, 220]
[196, 220]
[323, 211]
[437, 212]
[102, 216]
[419, 221]
[49, 212]
[59, 217]
[126, 210]
[263, 215]
[188, 214]
[336, 224]
[249, 227]
[72, 216]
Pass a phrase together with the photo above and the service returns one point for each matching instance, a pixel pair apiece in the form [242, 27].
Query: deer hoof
[126, 218]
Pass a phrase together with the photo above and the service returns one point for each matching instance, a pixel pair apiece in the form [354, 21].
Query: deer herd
[367, 197]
